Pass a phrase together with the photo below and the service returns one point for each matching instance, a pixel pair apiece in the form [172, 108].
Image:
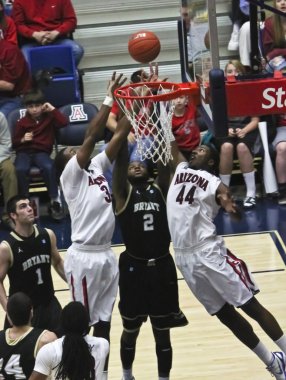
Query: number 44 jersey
[192, 206]
[30, 270]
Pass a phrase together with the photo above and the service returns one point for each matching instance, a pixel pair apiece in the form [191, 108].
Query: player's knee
[101, 329]
[227, 314]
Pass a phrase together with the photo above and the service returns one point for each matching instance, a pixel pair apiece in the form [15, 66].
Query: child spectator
[184, 126]
[8, 30]
[46, 22]
[33, 142]
[242, 135]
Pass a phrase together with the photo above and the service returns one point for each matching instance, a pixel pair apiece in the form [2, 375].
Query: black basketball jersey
[17, 361]
[31, 266]
[143, 223]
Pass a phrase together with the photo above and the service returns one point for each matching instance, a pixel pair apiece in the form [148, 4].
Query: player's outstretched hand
[114, 83]
[227, 202]
[154, 73]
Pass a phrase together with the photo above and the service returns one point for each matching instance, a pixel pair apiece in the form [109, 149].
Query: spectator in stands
[15, 78]
[279, 145]
[8, 30]
[33, 142]
[238, 17]
[184, 126]
[197, 32]
[242, 135]
[8, 176]
[46, 22]
[273, 37]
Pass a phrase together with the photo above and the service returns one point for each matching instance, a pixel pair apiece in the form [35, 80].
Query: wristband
[108, 101]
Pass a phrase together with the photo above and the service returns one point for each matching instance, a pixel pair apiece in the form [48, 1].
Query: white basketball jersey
[191, 206]
[89, 201]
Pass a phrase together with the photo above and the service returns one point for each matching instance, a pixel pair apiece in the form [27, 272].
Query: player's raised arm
[98, 123]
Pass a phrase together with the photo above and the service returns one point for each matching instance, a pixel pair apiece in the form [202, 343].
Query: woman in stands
[273, 36]
[242, 134]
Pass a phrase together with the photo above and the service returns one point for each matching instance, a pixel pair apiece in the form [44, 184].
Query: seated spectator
[273, 37]
[8, 30]
[184, 126]
[46, 22]
[279, 146]
[33, 142]
[242, 135]
[15, 77]
[8, 176]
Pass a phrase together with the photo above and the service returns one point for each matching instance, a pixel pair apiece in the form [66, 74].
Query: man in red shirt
[184, 126]
[44, 22]
[15, 77]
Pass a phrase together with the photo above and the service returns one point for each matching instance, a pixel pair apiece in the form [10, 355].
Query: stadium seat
[36, 180]
[56, 63]
[79, 115]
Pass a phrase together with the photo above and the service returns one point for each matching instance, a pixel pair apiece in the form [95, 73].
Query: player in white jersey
[90, 266]
[76, 355]
[218, 279]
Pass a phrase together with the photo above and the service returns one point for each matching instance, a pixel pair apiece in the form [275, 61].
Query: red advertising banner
[256, 97]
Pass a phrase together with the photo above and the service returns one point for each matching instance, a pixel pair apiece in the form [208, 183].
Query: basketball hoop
[149, 108]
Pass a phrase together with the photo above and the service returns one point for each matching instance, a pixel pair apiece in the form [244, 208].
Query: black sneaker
[56, 211]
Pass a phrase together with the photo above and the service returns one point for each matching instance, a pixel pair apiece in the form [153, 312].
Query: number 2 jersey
[143, 223]
[192, 206]
[30, 270]
[17, 358]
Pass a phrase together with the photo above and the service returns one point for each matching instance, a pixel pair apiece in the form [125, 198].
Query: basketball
[144, 46]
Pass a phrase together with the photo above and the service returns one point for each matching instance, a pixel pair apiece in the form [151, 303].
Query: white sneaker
[278, 366]
[249, 202]
[233, 42]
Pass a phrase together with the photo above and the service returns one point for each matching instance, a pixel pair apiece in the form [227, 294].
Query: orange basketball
[144, 46]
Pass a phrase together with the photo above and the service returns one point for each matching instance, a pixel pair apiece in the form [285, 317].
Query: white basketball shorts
[92, 275]
[216, 276]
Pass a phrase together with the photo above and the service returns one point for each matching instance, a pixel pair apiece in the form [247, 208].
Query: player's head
[205, 157]
[77, 361]
[19, 309]
[75, 319]
[19, 209]
[138, 172]
[62, 158]
[234, 67]
[137, 76]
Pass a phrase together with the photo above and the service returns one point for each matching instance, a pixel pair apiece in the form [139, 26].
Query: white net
[151, 120]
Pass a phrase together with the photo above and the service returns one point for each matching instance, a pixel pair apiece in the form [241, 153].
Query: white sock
[225, 179]
[249, 179]
[263, 353]
[281, 343]
[127, 374]
[235, 28]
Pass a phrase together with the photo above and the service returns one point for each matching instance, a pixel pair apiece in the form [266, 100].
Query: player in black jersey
[26, 257]
[20, 343]
[148, 280]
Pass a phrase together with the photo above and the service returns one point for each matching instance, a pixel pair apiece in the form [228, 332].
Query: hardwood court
[205, 349]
